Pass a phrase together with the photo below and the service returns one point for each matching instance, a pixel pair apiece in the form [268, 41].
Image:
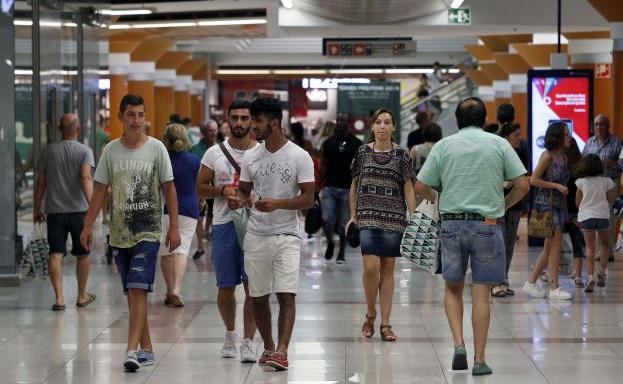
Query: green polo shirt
[471, 167]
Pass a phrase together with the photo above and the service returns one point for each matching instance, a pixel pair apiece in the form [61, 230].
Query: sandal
[387, 334]
[498, 291]
[86, 303]
[368, 327]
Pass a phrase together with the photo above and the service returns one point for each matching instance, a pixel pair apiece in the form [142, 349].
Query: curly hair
[175, 138]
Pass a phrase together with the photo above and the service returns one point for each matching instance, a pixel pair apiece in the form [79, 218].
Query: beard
[239, 133]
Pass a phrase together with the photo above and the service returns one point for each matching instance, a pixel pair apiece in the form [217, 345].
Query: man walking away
[64, 176]
[470, 168]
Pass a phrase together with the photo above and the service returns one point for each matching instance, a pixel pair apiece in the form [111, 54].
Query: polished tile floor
[531, 341]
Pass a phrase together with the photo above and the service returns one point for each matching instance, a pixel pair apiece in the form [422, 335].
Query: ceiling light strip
[355, 71]
[125, 12]
[183, 24]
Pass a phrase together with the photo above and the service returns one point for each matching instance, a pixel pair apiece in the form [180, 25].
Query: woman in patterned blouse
[380, 196]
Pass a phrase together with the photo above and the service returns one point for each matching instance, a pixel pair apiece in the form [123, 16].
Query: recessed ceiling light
[119, 26]
[409, 70]
[125, 12]
[207, 23]
[456, 3]
[287, 3]
[243, 71]
[355, 71]
[299, 71]
[164, 25]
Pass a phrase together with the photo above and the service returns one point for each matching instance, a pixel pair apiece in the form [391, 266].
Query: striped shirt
[608, 150]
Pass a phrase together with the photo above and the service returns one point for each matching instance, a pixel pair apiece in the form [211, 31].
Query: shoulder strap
[229, 157]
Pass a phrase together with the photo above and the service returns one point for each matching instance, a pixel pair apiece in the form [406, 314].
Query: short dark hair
[589, 166]
[432, 133]
[130, 99]
[471, 112]
[175, 118]
[268, 107]
[506, 113]
[186, 121]
[508, 128]
[492, 128]
[555, 136]
[239, 104]
[422, 118]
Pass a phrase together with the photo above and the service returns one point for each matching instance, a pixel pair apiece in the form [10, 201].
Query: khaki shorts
[272, 263]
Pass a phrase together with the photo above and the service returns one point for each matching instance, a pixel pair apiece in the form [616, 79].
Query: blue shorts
[227, 256]
[474, 241]
[595, 224]
[137, 265]
[380, 243]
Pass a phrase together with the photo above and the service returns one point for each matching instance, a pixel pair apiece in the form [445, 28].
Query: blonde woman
[185, 168]
[381, 193]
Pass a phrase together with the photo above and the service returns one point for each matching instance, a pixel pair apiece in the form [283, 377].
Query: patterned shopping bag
[35, 260]
[420, 240]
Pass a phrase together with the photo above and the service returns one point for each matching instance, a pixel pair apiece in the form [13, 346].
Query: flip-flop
[58, 307]
[86, 303]
[500, 292]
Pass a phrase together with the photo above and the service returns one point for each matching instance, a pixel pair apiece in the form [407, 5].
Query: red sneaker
[265, 356]
[277, 360]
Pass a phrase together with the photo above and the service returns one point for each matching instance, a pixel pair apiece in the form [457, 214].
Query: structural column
[197, 96]
[8, 250]
[617, 78]
[166, 75]
[141, 82]
[118, 64]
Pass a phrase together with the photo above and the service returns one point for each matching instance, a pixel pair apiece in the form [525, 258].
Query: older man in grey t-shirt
[64, 176]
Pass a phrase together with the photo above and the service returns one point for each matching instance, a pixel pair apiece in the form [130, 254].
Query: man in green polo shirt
[470, 168]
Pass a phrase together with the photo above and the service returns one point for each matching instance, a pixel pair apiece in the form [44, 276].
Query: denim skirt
[380, 243]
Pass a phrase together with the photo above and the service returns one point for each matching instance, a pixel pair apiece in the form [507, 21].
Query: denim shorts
[559, 215]
[595, 224]
[137, 265]
[474, 241]
[227, 256]
[380, 243]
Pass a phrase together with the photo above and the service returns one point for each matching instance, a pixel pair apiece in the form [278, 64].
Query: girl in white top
[593, 198]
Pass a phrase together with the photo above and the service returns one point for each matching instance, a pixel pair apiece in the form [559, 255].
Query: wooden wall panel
[145, 89]
[165, 107]
[520, 102]
[182, 103]
[118, 89]
[196, 109]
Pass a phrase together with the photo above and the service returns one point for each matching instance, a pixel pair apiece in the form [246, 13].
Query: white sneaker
[559, 294]
[229, 347]
[246, 352]
[533, 290]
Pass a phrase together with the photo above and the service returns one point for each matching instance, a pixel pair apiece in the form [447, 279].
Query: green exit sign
[462, 16]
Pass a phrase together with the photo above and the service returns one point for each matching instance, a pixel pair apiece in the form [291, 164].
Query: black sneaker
[328, 253]
[459, 360]
[198, 254]
[340, 258]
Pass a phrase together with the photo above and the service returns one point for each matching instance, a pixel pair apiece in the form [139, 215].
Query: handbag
[37, 253]
[313, 218]
[420, 240]
[541, 224]
[240, 218]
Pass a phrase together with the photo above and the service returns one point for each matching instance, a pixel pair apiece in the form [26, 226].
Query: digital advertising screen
[559, 96]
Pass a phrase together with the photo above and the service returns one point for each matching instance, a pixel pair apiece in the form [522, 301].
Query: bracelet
[223, 189]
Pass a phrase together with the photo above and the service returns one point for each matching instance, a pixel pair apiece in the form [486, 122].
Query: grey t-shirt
[60, 164]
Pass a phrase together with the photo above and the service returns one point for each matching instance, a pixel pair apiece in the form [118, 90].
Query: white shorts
[272, 263]
[187, 225]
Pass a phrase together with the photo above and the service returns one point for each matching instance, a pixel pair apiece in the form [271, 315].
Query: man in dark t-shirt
[337, 155]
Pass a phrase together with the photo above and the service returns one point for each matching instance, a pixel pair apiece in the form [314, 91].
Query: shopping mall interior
[324, 61]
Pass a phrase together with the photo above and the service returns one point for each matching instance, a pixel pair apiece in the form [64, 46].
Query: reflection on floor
[530, 341]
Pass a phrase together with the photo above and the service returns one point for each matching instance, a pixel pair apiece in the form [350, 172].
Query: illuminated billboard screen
[559, 96]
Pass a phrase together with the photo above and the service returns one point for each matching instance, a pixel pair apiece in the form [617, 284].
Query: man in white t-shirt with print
[281, 175]
[218, 180]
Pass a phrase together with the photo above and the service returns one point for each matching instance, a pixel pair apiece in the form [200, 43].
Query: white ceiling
[293, 36]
